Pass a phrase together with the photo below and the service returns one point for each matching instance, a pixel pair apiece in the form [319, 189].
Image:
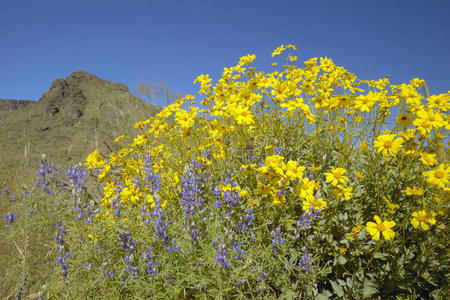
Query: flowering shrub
[272, 185]
[305, 182]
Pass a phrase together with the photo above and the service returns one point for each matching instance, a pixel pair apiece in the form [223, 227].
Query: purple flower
[229, 198]
[152, 180]
[107, 274]
[77, 179]
[10, 217]
[25, 193]
[278, 150]
[45, 170]
[276, 239]
[157, 216]
[193, 182]
[306, 219]
[62, 260]
[250, 152]
[191, 199]
[152, 263]
[4, 191]
[305, 262]
[125, 241]
[221, 255]
[59, 238]
[262, 275]
[249, 219]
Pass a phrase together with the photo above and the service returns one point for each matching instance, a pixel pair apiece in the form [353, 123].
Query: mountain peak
[78, 114]
[69, 95]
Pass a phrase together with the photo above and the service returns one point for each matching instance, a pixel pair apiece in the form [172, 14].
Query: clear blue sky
[129, 41]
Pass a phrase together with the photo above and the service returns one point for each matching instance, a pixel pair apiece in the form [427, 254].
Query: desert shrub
[304, 182]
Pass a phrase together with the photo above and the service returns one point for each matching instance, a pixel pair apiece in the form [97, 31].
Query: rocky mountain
[74, 117]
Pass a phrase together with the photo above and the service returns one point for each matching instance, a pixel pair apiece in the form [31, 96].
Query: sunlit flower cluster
[299, 141]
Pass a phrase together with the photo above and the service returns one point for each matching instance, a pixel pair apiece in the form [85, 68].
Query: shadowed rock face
[66, 96]
[7, 105]
[63, 96]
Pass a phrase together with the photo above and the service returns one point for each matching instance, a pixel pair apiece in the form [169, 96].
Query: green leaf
[322, 297]
[337, 288]
[341, 260]
[425, 275]
[369, 288]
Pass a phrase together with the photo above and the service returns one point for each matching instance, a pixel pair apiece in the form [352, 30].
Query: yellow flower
[404, 120]
[383, 227]
[439, 176]
[327, 64]
[248, 168]
[366, 102]
[119, 138]
[139, 140]
[305, 187]
[364, 145]
[315, 168]
[427, 120]
[204, 81]
[278, 50]
[157, 127]
[346, 191]
[358, 227]
[105, 171]
[314, 203]
[343, 250]
[360, 175]
[428, 159]
[440, 101]
[184, 119]
[292, 105]
[247, 60]
[166, 112]
[422, 218]
[130, 193]
[414, 191]
[94, 160]
[276, 163]
[409, 134]
[242, 115]
[417, 82]
[336, 176]
[433, 117]
[291, 47]
[391, 207]
[308, 114]
[293, 171]
[388, 144]
[141, 124]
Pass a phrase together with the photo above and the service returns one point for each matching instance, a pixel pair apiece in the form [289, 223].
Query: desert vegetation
[301, 183]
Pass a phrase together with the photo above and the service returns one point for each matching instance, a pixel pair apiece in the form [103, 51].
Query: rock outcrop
[66, 96]
[7, 105]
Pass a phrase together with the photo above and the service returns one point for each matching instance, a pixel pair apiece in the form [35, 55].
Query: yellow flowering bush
[269, 183]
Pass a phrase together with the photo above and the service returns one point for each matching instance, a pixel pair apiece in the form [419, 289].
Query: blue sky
[129, 41]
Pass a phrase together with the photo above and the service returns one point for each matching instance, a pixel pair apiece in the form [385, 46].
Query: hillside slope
[75, 116]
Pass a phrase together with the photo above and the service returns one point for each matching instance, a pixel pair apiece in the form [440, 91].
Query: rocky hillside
[75, 116]
[7, 105]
